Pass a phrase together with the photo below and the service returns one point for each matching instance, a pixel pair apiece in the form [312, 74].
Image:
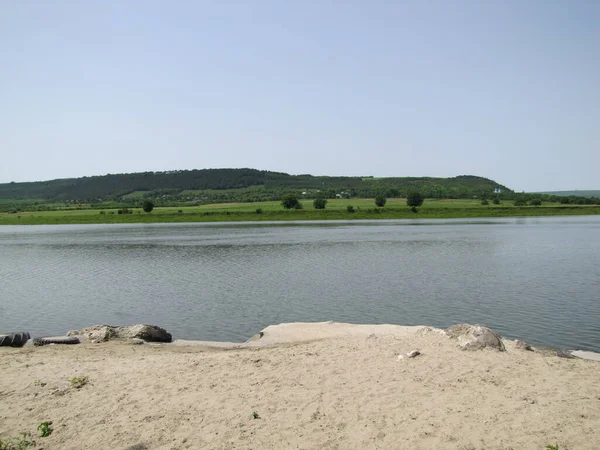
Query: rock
[475, 337]
[96, 333]
[413, 354]
[102, 333]
[564, 354]
[522, 345]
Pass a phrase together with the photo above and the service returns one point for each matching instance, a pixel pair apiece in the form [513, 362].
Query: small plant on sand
[79, 382]
[45, 429]
[552, 447]
[21, 442]
[255, 415]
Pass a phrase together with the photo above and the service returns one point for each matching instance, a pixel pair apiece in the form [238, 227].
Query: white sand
[344, 388]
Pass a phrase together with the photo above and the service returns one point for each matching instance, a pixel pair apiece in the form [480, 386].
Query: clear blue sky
[508, 90]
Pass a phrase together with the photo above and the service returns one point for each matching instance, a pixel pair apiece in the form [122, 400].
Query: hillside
[236, 185]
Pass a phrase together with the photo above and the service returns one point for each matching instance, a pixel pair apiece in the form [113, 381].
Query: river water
[531, 278]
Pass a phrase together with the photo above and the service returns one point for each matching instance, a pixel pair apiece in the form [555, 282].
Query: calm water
[534, 278]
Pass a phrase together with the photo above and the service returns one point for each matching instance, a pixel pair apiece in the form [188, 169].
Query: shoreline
[307, 385]
[93, 217]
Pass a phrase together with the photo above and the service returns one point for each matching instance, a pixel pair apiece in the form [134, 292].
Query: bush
[319, 203]
[259, 211]
[350, 208]
[496, 201]
[414, 200]
[148, 206]
[290, 201]
[535, 202]
[485, 202]
[520, 202]
[380, 200]
[125, 211]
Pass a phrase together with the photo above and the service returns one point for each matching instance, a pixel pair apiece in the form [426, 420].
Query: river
[531, 278]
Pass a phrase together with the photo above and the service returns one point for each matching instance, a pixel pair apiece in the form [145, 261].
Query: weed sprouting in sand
[21, 442]
[255, 415]
[552, 447]
[79, 382]
[45, 429]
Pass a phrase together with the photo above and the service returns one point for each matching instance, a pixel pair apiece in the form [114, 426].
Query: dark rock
[475, 337]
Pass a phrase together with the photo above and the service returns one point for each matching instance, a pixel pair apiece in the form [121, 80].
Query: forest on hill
[239, 185]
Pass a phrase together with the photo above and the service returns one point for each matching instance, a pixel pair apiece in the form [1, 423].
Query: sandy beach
[307, 386]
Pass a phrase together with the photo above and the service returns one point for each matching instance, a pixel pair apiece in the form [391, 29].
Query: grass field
[336, 210]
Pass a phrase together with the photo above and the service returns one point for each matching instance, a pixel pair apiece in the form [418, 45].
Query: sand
[313, 386]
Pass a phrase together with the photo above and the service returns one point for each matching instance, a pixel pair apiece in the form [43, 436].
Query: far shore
[235, 213]
[302, 385]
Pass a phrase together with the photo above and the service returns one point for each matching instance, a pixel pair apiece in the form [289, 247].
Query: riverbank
[303, 386]
[234, 214]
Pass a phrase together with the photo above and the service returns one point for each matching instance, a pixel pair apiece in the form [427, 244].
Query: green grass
[272, 211]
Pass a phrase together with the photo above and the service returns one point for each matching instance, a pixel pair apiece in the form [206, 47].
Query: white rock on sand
[340, 387]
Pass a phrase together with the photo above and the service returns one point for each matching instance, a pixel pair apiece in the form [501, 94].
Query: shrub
[485, 202]
[259, 211]
[496, 201]
[319, 203]
[535, 202]
[414, 200]
[380, 200]
[290, 201]
[148, 206]
[350, 208]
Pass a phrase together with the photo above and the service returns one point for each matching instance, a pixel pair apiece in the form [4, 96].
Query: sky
[505, 89]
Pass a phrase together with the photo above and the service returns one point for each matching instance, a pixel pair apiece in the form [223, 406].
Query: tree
[290, 201]
[147, 206]
[380, 200]
[319, 202]
[535, 202]
[414, 200]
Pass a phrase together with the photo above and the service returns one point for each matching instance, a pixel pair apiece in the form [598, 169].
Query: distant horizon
[296, 174]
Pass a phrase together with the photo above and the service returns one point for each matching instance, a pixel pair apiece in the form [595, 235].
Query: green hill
[236, 185]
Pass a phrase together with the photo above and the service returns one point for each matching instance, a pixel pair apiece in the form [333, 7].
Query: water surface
[533, 278]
